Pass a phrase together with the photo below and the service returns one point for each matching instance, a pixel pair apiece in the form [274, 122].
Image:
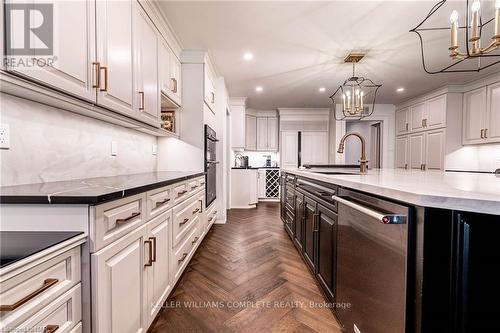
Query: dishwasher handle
[381, 217]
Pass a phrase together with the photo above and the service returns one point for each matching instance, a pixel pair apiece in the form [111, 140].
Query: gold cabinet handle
[51, 328]
[482, 133]
[184, 221]
[97, 74]
[194, 187]
[406, 166]
[125, 220]
[141, 107]
[213, 97]
[105, 78]
[160, 203]
[195, 240]
[406, 126]
[150, 252]
[153, 239]
[210, 219]
[485, 133]
[184, 255]
[173, 85]
[196, 211]
[47, 283]
[425, 122]
[181, 193]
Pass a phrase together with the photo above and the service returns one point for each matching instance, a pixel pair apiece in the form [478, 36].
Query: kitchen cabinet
[209, 87]
[146, 86]
[474, 116]
[309, 232]
[243, 179]
[492, 128]
[417, 150]
[299, 220]
[238, 123]
[434, 150]
[402, 152]
[289, 149]
[402, 121]
[326, 248]
[267, 134]
[114, 32]
[417, 115]
[261, 183]
[119, 280]
[74, 45]
[435, 113]
[158, 274]
[169, 73]
[250, 132]
[314, 147]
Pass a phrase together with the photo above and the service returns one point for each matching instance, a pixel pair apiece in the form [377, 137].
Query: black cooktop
[17, 245]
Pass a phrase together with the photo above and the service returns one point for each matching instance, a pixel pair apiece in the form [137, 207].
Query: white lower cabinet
[417, 150]
[402, 150]
[118, 283]
[434, 150]
[424, 151]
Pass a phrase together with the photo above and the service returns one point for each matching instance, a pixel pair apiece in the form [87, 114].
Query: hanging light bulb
[475, 7]
[497, 20]
[454, 30]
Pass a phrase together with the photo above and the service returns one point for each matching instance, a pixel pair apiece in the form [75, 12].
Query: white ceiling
[300, 46]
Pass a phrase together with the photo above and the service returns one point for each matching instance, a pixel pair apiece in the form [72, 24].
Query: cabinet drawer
[185, 216]
[60, 316]
[201, 180]
[193, 186]
[115, 219]
[183, 252]
[180, 192]
[158, 201]
[211, 215]
[33, 289]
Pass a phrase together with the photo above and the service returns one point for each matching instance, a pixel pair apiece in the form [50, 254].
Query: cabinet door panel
[114, 52]
[118, 275]
[436, 112]
[402, 152]
[272, 133]
[73, 47]
[309, 231]
[402, 125]
[417, 148]
[261, 183]
[299, 219]
[261, 133]
[250, 132]
[417, 114]
[314, 148]
[289, 149]
[474, 115]
[175, 79]
[164, 67]
[327, 230]
[434, 142]
[146, 68]
[493, 114]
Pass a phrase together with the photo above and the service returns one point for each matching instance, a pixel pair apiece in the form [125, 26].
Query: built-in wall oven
[210, 165]
[372, 264]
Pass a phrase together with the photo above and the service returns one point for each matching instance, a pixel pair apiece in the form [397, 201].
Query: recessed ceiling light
[400, 89]
[322, 89]
[248, 56]
[259, 89]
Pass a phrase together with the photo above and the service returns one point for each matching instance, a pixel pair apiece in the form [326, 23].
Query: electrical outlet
[114, 148]
[4, 136]
[154, 149]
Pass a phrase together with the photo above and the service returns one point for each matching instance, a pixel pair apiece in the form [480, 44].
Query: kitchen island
[408, 251]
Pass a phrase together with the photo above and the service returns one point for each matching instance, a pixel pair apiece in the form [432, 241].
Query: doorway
[375, 145]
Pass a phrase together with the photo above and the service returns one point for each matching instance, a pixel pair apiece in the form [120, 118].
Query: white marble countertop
[472, 192]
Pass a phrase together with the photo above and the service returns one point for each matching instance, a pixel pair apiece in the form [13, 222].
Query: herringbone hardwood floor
[247, 276]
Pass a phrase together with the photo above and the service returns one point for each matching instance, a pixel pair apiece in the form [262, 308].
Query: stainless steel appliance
[210, 165]
[372, 264]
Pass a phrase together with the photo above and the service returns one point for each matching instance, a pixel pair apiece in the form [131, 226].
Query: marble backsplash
[48, 144]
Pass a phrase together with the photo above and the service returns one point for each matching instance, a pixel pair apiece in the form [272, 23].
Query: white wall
[49, 144]
[177, 155]
[353, 145]
[474, 158]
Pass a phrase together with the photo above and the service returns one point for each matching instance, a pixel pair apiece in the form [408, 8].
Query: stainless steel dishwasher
[372, 260]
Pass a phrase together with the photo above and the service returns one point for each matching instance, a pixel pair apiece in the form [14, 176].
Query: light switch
[114, 148]
[154, 149]
[4, 136]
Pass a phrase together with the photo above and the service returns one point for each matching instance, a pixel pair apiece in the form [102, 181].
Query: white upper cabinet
[417, 115]
[175, 86]
[492, 130]
[114, 22]
[474, 116]
[73, 47]
[435, 115]
[289, 149]
[314, 148]
[164, 55]
[267, 133]
[261, 133]
[272, 133]
[209, 88]
[146, 68]
[402, 151]
[250, 132]
[402, 119]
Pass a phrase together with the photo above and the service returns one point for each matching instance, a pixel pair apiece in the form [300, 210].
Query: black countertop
[17, 245]
[91, 191]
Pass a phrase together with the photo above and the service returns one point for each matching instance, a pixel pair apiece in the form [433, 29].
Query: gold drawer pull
[105, 78]
[193, 187]
[153, 258]
[121, 221]
[196, 211]
[210, 219]
[184, 221]
[485, 133]
[141, 106]
[47, 283]
[51, 328]
[184, 255]
[173, 85]
[195, 240]
[181, 193]
[150, 252]
[160, 203]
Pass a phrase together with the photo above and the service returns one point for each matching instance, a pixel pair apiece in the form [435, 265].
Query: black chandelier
[473, 58]
[357, 93]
